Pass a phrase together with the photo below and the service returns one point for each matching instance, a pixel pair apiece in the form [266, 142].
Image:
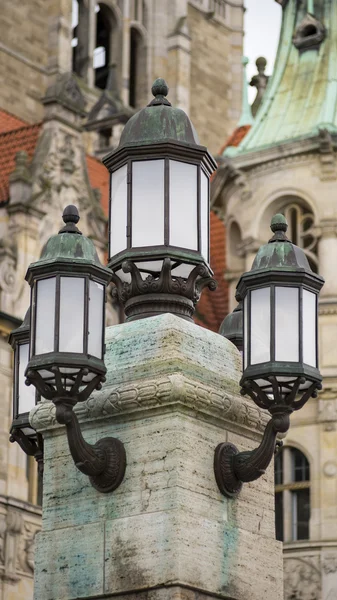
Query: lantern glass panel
[245, 332]
[260, 326]
[183, 205]
[204, 215]
[95, 326]
[71, 314]
[45, 315]
[287, 324]
[147, 203]
[309, 328]
[26, 399]
[118, 211]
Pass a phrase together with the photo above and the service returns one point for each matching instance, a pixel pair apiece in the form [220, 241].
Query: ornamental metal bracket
[103, 462]
[30, 446]
[163, 292]
[233, 468]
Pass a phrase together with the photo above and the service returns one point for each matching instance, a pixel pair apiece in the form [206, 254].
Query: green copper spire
[246, 113]
[311, 7]
[301, 97]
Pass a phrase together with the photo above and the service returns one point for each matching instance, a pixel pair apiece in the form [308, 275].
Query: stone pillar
[166, 533]
[327, 248]
[179, 64]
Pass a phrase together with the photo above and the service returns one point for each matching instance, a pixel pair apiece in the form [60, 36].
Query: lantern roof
[159, 121]
[232, 326]
[279, 256]
[20, 332]
[69, 247]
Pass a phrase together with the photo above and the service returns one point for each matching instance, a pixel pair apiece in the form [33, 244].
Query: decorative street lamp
[232, 327]
[159, 212]
[280, 358]
[66, 365]
[24, 397]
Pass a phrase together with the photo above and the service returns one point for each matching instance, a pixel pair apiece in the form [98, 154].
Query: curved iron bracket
[233, 468]
[30, 446]
[104, 462]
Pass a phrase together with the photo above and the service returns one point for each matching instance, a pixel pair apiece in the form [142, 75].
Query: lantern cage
[66, 364]
[68, 286]
[24, 397]
[159, 211]
[280, 308]
[280, 356]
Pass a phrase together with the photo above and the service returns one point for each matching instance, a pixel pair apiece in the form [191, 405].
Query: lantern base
[228, 484]
[162, 293]
[150, 305]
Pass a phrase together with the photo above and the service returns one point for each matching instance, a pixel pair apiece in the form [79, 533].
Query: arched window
[105, 29]
[138, 70]
[292, 495]
[79, 40]
[300, 231]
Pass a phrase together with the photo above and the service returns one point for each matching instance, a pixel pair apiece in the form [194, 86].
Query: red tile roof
[213, 306]
[9, 122]
[99, 178]
[11, 142]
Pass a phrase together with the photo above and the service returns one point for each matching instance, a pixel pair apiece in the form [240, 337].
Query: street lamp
[66, 364]
[280, 357]
[232, 327]
[159, 212]
[24, 397]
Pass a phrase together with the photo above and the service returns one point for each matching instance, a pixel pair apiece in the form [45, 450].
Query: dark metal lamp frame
[233, 468]
[105, 461]
[164, 291]
[21, 430]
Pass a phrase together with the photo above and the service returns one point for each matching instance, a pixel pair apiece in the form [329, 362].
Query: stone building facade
[71, 74]
[287, 163]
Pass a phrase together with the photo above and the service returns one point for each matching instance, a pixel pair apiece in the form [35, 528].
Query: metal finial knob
[159, 90]
[70, 214]
[70, 218]
[278, 223]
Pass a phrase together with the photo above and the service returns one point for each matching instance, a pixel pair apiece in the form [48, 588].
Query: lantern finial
[279, 227]
[159, 90]
[70, 218]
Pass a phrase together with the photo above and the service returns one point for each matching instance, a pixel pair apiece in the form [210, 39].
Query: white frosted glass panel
[96, 295]
[309, 328]
[204, 215]
[183, 205]
[245, 331]
[148, 203]
[118, 210]
[260, 326]
[45, 316]
[71, 314]
[286, 324]
[26, 393]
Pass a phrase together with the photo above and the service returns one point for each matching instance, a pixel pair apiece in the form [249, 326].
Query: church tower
[287, 163]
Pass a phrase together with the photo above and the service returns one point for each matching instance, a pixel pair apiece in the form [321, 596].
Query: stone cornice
[160, 393]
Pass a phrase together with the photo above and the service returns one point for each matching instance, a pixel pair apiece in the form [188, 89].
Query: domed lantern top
[159, 202]
[280, 295]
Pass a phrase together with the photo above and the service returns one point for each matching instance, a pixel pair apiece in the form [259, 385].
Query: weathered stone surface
[167, 524]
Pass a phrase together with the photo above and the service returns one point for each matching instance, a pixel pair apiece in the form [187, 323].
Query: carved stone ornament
[309, 34]
[66, 91]
[327, 159]
[302, 579]
[330, 563]
[162, 391]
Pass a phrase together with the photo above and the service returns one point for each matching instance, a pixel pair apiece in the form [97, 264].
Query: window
[79, 42]
[301, 231]
[102, 52]
[292, 495]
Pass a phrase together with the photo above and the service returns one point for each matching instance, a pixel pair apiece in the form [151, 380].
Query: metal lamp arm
[233, 468]
[104, 462]
[250, 465]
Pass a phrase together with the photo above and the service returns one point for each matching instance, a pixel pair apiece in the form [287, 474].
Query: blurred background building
[71, 75]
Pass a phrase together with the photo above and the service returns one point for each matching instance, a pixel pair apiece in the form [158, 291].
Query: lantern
[159, 211]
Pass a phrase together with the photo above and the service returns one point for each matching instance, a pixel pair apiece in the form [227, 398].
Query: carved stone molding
[329, 563]
[302, 578]
[327, 409]
[156, 393]
[327, 159]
